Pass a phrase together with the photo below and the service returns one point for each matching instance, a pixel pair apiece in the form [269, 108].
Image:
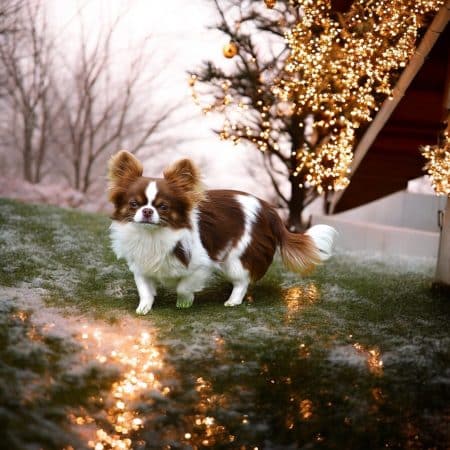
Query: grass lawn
[355, 356]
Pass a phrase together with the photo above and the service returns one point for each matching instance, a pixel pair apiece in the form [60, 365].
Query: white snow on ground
[347, 355]
[335, 293]
[379, 263]
[28, 295]
[67, 323]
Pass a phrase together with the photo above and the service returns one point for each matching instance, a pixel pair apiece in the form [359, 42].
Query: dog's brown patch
[259, 254]
[221, 222]
[182, 254]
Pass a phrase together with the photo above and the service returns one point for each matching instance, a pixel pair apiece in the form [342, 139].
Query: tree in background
[107, 109]
[26, 54]
[306, 77]
[65, 111]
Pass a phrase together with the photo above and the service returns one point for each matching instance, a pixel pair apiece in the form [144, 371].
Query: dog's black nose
[147, 212]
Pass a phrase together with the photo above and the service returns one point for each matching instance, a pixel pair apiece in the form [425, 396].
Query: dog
[172, 231]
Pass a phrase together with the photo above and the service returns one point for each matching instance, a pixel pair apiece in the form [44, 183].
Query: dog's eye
[163, 207]
[134, 203]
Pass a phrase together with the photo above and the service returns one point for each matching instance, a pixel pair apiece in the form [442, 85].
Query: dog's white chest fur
[148, 250]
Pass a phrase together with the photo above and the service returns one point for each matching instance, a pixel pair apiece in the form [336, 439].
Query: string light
[340, 67]
[438, 165]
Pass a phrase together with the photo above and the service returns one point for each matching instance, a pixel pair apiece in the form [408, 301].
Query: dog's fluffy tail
[301, 252]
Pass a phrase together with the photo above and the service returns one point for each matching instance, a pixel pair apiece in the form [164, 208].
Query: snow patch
[378, 262]
[335, 293]
[347, 355]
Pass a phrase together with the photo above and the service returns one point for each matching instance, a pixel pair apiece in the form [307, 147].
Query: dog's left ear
[184, 175]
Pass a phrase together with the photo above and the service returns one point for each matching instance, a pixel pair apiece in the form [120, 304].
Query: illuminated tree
[306, 77]
[340, 68]
[438, 168]
[438, 164]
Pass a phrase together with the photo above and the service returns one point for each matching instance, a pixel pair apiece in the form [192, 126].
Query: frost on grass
[347, 355]
[379, 263]
[33, 379]
[336, 293]
[77, 381]
[56, 249]
[301, 358]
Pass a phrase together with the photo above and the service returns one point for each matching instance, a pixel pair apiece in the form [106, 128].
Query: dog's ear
[184, 175]
[123, 169]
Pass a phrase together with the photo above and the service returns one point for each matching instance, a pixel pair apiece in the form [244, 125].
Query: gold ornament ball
[230, 50]
[270, 3]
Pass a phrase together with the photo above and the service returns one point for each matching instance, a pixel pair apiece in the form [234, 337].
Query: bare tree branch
[25, 56]
[104, 111]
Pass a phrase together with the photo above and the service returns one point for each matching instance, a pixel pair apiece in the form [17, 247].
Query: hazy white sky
[179, 33]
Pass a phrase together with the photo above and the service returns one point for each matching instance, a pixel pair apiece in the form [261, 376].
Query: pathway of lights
[139, 360]
[141, 365]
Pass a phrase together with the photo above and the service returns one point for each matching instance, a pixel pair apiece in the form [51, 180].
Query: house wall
[402, 223]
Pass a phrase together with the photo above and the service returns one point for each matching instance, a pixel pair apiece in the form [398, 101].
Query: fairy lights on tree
[340, 68]
[304, 78]
[438, 165]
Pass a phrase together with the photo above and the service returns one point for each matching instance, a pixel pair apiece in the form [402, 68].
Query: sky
[181, 41]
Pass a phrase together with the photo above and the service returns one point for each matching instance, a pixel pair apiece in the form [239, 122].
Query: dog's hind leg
[239, 276]
[238, 293]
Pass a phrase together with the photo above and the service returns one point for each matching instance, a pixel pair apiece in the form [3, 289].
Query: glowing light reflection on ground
[138, 359]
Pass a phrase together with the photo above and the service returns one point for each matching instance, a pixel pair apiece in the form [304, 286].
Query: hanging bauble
[230, 49]
[270, 3]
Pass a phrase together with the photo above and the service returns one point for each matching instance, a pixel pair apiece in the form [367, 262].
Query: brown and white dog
[170, 230]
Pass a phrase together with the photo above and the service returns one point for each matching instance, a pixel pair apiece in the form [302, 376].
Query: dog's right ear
[123, 169]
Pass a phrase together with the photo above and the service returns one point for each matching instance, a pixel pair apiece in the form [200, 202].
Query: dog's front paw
[232, 303]
[143, 308]
[185, 301]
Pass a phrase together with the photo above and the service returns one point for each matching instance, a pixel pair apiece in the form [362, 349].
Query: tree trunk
[27, 173]
[27, 148]
[76, 169]
[296, 204]
[297, 200]
[87, 176]
[442, 278]
[42, 147]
